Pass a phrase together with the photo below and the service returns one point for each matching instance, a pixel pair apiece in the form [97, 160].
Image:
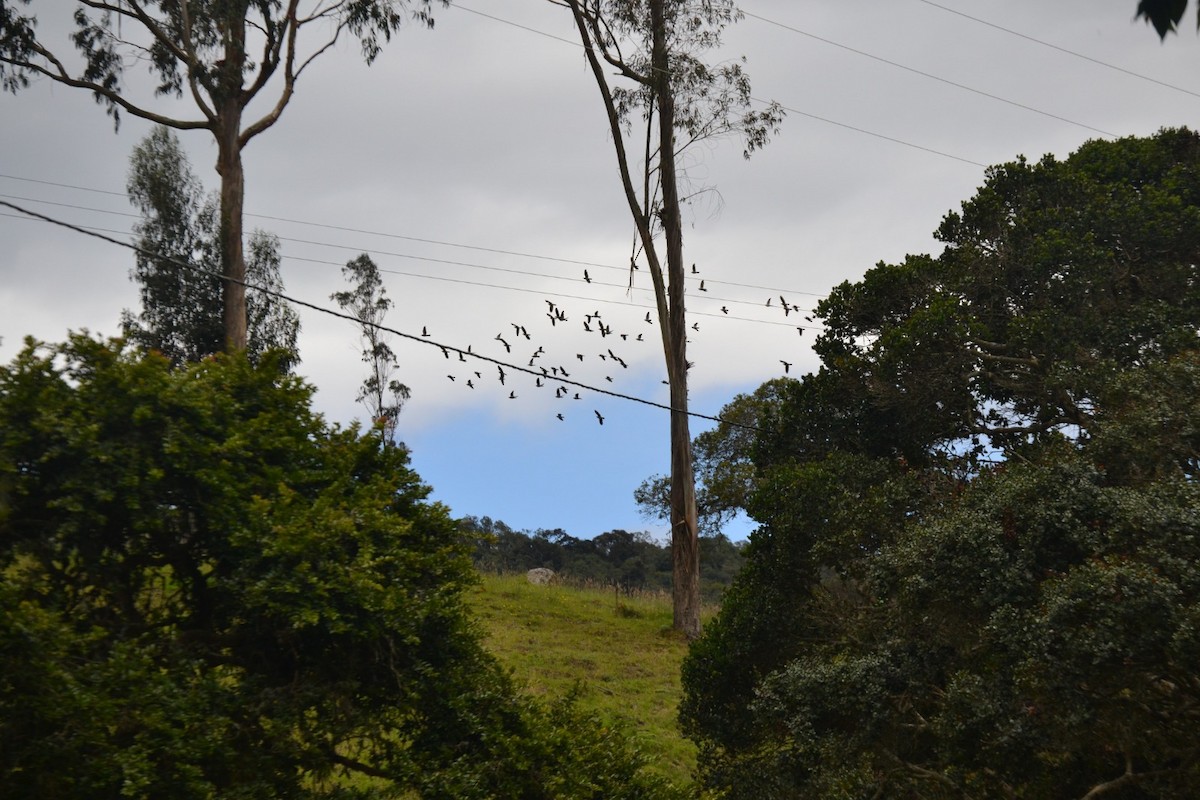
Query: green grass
[619, 654]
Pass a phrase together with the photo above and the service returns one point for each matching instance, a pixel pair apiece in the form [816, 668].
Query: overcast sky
[472, 162]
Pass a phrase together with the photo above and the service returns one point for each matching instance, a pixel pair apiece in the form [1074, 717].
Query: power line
[446, 279]
[445, 348]
[928, 75]
[764, 102]
[1058, 48]
[873, 133]
[387, 235]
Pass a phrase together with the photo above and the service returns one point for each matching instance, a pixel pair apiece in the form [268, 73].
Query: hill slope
[618, 653]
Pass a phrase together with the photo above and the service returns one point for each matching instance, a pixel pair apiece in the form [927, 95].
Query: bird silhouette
[539, 383]
[787, 365]
[512, 395]
[702, 287]
[507, 346]
[560, 416]
[451, 377]
[587, 277]
[586, 327]
[424, 331]
[446, 353]
[694, 270]
[640, 339]
[469, 383]
[648, 318]
[724, 310]
[579, 356]
[696, 326]
[503, 375]
[599, 417]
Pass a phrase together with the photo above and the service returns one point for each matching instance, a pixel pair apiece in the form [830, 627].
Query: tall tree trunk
[233, 259]
[685, 545]
[230, 104]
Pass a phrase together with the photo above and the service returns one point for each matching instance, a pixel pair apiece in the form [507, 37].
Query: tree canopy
[976, 573]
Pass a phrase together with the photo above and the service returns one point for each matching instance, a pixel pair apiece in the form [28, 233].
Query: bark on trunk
[685, 546]
[230, 101]
[233, 260]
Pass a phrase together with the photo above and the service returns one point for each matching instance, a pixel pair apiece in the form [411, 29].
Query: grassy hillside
[619, 654]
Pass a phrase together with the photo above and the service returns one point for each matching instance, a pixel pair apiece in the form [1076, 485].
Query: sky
[474, 165]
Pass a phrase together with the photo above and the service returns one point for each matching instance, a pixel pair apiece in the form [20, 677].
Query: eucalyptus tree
[223, 56]
[178, 261]
[381, 391]
[663, 83]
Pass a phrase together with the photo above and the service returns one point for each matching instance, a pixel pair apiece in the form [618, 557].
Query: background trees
[978, 577]
[181, 308]
[222, 55]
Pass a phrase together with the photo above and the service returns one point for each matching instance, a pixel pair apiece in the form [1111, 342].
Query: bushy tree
[208, 591]
[976, 573]
[179, 260]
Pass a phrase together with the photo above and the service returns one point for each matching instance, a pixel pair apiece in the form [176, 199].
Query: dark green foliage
[1164, 15]
[208, 591]
[978, 569]
[181, 297]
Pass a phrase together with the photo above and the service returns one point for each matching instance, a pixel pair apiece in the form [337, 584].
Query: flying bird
[424, 331]
[507, 346]
[702, 287]
[694, 270]
[560, 416]
[599, 417]
[787, 365]
[503, 375]
[451, 377]
[512, 395]
[469, 383]
[724, 310]
[587, 277]
[696, 326]
[648, 318]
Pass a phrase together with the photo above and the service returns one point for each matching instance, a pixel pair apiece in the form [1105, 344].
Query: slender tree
[381, 392]
[655, 47]
[181, 308]
[222, 55]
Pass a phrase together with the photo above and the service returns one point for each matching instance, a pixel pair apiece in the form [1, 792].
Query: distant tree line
[631, 561]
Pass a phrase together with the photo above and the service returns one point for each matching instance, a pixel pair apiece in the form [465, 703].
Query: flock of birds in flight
[546, 375]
